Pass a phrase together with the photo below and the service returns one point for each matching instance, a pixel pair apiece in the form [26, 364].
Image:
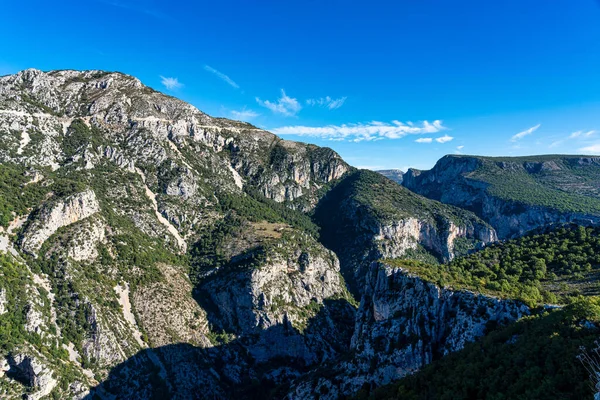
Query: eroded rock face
[3, 301]
[399, 236]
[276, 303]
[55, 215]
[168, 312]
[34, 374]
[102, 345]
[257, 299]
[403, 322]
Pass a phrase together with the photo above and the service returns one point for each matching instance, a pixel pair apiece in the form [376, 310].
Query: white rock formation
[55, 215]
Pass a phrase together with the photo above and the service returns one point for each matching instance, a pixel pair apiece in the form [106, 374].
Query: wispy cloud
[222, 76]
[327, 102]
[362, 132]
[578, 135]
[170, 83]
[444, 139]
[244, 114]
[581, 134]
[441, 139]
[285, 105]
[521, 135]
[593, 149]
[460, 147]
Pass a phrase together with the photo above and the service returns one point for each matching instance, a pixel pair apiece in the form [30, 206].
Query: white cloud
[374, 130]
[581, 134]
[593, 149]
[578, 135]
[222, 76]
[441, 139]
[444, 139]
[244, 114]
[171, 83]
[327, 101]
[459, 147]
[521, 135]
[284, 105]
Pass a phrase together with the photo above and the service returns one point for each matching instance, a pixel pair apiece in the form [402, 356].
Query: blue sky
[387, 84]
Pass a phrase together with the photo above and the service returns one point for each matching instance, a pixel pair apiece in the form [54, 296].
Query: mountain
[393, 174]
[515, 194]
[149, 250]
[366, 217]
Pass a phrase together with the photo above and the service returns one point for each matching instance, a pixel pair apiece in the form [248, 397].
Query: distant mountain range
[393, 174]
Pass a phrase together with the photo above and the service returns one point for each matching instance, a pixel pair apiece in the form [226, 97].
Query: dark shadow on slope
[253, 366]
[534, 358]
[346, 228]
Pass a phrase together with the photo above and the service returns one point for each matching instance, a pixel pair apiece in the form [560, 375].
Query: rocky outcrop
[168, 313]
[102, 345]
[3, 301]
[34, 374]
[274, 299]
[55, 215]
[404, 323]
[468, 182]
[399, 236]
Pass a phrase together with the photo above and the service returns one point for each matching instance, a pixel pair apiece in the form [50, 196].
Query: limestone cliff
[404, 323]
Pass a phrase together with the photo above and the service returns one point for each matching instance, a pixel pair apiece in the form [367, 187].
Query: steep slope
[404, 323]
[520, 361]
[515, 194]
[413, 314]
[109, 193]
[365, 217]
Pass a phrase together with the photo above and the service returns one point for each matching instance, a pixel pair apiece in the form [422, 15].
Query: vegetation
[545, 267]
[13, 282]
[16, 195]
[255, 207]
[381, 199]
[534, 358]
[561, 183]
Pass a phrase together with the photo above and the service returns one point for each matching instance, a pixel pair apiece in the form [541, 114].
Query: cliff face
[515, 195]
[367, 217]
[402, 324]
